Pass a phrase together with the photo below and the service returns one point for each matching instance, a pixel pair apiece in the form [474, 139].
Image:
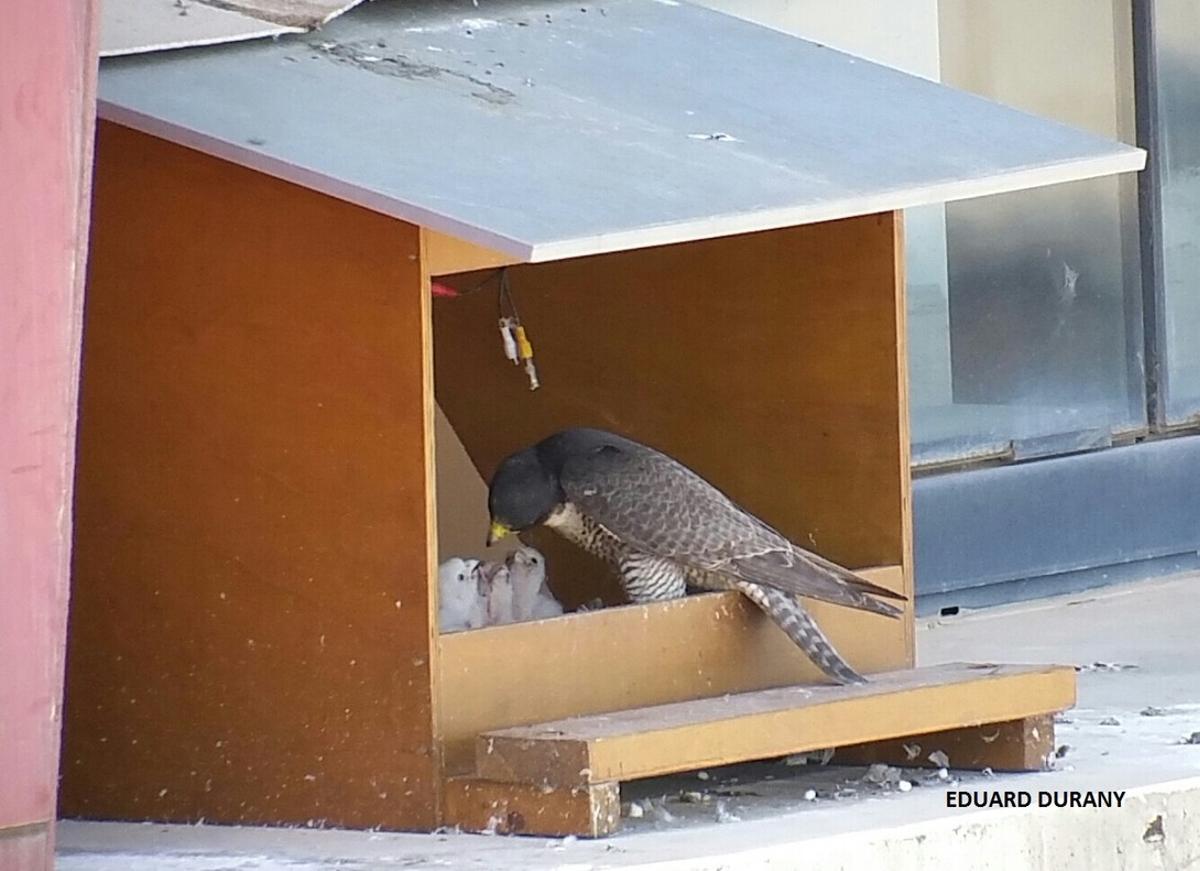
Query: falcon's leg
[651, 578]
[790, 615]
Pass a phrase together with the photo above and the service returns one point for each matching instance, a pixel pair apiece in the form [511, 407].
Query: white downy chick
[532, 599]
[499, 593]
[477, 613]
[459, 603]
[546, 605]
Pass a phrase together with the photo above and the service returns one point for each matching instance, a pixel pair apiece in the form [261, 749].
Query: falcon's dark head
[522, 494]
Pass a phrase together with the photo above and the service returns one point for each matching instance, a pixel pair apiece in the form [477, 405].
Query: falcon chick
[532, 599]
[499, 593]
[460, 603]
[664, 528]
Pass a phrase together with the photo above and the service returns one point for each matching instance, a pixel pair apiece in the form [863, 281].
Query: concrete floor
[1139, 702]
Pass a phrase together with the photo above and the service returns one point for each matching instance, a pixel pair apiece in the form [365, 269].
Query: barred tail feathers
[790, 615]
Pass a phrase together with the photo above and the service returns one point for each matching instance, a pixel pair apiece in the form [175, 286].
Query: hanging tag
[524, 346]
[510, 344]
[531, 371]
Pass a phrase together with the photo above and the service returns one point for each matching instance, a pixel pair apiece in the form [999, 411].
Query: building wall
[47, 82]
[1046, 327]
[900, 33]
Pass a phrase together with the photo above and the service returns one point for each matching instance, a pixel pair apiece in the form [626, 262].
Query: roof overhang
[551, 130]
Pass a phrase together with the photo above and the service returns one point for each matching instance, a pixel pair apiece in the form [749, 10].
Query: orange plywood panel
[250, 634]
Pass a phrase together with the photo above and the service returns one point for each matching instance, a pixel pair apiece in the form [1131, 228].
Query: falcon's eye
[462, 576]
[534, 560]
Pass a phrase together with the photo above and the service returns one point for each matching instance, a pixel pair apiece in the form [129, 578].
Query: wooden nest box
[259, 517]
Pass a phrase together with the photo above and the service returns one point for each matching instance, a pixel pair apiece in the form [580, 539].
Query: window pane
[1177, 25]
[1043, 307]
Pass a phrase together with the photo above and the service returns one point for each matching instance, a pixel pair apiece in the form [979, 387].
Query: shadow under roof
[552, 130]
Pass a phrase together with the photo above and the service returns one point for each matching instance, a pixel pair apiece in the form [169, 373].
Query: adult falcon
[664, 528]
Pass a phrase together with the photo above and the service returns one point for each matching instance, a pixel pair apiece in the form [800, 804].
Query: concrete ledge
[1154, 829]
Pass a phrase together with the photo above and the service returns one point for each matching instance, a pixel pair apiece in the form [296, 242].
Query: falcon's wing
[658, 506]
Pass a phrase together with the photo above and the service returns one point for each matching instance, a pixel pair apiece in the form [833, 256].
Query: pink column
[47, 102]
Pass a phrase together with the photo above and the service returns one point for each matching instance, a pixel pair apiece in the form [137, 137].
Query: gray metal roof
[548, 130]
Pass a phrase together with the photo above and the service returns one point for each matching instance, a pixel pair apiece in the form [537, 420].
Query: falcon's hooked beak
[498, 531]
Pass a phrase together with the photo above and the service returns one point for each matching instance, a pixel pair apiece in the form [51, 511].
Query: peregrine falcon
[664, 529]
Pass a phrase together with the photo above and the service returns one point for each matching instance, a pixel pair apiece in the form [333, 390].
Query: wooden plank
[251, 635]
[135, 26]
[691, 648]
[904, 431]
[589, 811]
[445, 254]
[683, 736]
[1023, 744]
[47, 102]
[305, 14]
[733, 355]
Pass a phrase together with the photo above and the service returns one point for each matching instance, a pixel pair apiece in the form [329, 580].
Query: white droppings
[882, 774]
[702, 775]
[722, 814]
[904, 786]
[658, 810]
[810, 795]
